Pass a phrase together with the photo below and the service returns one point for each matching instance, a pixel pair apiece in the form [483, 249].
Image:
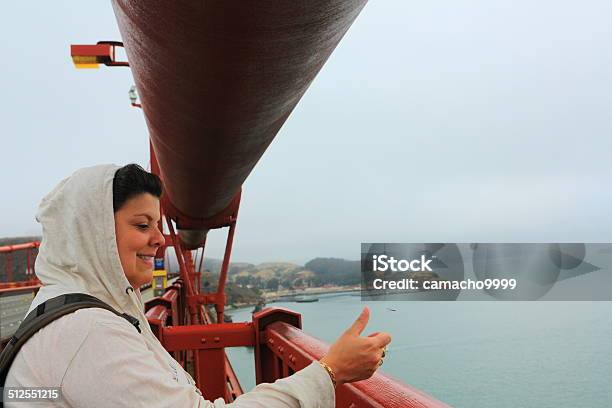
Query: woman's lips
[146, 259]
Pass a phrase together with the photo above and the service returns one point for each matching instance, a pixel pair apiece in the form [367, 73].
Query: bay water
[475, 354]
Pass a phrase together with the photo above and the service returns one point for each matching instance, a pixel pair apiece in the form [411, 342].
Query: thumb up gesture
[353, 357]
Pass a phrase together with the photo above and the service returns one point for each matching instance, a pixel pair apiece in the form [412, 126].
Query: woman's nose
[158, 238]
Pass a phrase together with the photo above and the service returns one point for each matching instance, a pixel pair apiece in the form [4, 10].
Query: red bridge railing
[13, 295]
[31, 249]
[281, 349]
[15, 298]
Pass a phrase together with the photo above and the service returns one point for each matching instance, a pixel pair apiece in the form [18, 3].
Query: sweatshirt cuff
[322, 383]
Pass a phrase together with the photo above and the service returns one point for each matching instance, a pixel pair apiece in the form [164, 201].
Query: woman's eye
[143, 226]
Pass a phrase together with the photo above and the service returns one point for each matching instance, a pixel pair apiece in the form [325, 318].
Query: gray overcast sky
[438, 121]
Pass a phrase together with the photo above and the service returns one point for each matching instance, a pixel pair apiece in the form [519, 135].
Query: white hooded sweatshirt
[98, 358]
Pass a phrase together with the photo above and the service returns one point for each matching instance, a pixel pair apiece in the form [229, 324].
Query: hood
[78, 252]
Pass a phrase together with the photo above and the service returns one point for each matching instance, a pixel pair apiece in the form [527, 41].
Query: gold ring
[380, 362]
[384, 352]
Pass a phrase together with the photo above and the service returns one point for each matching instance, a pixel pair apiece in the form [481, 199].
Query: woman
[99, 237]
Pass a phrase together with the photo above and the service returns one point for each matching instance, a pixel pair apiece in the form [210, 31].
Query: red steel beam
[18, 247]
[15, 288]
[235, 389]
[208, 336]
[220, 306]
[212, 384]
[157, 317]
[213, 373]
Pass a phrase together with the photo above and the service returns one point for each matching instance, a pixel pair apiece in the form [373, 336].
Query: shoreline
[271, 297]
[279, 296]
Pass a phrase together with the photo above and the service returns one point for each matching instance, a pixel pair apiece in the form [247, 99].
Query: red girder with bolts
[215, 88]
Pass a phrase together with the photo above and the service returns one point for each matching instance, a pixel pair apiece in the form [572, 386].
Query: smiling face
[138, 237]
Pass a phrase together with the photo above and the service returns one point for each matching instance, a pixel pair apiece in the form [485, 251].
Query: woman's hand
[354, 358]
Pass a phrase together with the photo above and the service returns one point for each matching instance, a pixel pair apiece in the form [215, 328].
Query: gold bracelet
[330, 372]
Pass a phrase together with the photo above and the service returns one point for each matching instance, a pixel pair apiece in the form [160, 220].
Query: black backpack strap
[44, 314]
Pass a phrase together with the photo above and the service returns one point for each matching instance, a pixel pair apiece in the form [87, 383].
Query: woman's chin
[149, 277]
[145, 277]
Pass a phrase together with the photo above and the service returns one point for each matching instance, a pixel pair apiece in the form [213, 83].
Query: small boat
[306, 299]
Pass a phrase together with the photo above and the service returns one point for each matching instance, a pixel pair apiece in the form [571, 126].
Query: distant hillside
[210, 264]
[269, 275]
[317, 272]
[335, 270]
[236, 295]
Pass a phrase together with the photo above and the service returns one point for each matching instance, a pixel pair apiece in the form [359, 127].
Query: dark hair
[132, 180]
